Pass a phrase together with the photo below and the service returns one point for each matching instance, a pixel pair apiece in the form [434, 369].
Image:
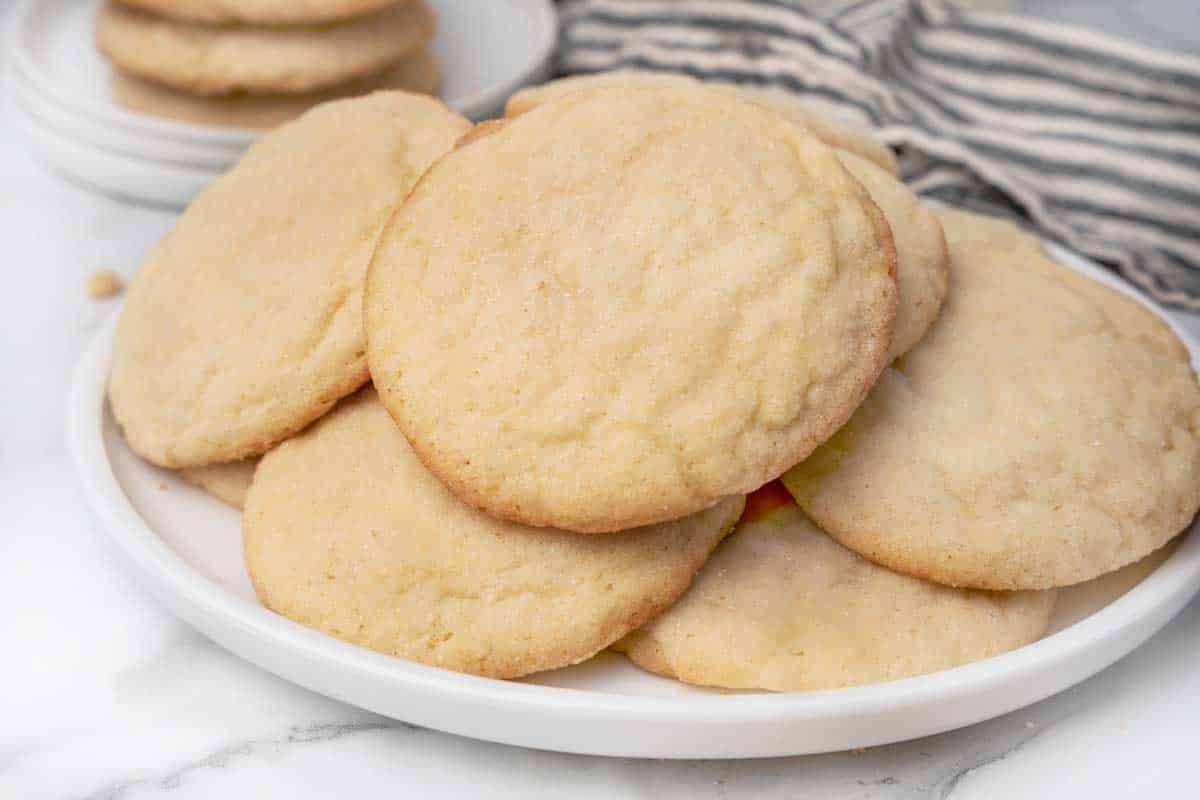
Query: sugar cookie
[262, 12]
[207, 60]
[416, 73]
[1042, 433]
[782, 606]
[245, 323]
[626, 304]
[922, 262]
[227, 482]
[834, 133]
[347, 533]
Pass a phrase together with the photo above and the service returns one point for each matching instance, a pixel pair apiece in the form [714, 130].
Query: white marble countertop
[105, 695]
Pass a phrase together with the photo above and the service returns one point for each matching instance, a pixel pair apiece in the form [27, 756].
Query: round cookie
[206, 60]
[922, 262]
[1042, 433]
[347, 533]
[227, 482]
[834, 133]
[627, 304]
[262, 12]
[416, 73]
[781, 606]
[244, 324]
[531, 97]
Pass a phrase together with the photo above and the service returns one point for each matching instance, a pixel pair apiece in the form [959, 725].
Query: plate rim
[232, 138]
[1170, 586]
[172, 184]
[49, 112]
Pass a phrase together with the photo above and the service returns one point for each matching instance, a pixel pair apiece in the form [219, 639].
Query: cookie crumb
[162, 487]
[104, 283]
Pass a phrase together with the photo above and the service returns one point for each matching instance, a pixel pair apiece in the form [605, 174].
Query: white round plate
[98, 135]
[186, 548]
[155, 182]
[487, 49]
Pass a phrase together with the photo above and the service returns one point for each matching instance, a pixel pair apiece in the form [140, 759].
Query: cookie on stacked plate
[677, 368]
[258, 63]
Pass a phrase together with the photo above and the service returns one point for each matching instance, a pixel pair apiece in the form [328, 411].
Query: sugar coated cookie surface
[227, 482]
[244, 324]
[626, 304]
[262, 12]
[347, 533]
[782, 606]
[922, 261]
[531, 97]
[203, 60]
[1042, 433]
[826, 128]
[415, 73]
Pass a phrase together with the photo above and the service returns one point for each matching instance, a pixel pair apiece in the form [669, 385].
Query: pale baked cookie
[263, 12]
[781, 606]
[922, 262]
[244, 324]
[206, 60]
[227, 482]
[1042, 433]
[347, 533]
[626, 304]
[416, 73]
[833, 132]
[531, 97]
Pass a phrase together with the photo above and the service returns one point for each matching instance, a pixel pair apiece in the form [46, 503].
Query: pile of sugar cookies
[676, 368]
[259, 63]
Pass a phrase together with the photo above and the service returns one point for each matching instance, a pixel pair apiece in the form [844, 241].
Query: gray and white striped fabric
[1093, 141]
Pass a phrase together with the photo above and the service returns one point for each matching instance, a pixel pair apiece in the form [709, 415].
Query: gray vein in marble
[946, 787]
[300, 735]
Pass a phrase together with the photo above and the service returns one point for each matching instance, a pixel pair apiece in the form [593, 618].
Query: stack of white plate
[60, 99]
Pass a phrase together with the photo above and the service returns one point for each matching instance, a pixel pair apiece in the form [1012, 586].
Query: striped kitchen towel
[1093, 141]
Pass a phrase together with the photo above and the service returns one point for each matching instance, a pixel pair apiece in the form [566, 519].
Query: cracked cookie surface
[781, 606]
[347, 533]
[824, 126]
[244, 323]
[626, 304]
[1042, 433]
[921, 259]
